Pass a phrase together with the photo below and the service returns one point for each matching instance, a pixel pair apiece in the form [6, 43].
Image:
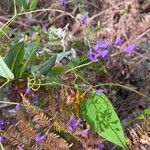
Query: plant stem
[124, 87]
[6, 102]
[2, 148]
[4, 84]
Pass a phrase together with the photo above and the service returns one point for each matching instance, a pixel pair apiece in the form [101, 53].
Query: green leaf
[14, 58]
[61, 55]
[21, 3]
[33, 4]
[147, 111]
[30, 58]
[46, 66]
[4, 70]
[57, 70]
[99, 113]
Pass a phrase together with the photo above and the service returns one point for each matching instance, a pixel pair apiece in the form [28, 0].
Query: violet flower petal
[2, 122]
[85, 132]
[1, 139]
[96, 47]
[77, 122]
[63, 3]
[18, 106]
[92, 56]
[130, 48]
[118, 41]
[40, 138]
[20, 148]
[83, 19]
[28, 91]
[103, 44]
[103, 53]
[99, 91]
[73, 123]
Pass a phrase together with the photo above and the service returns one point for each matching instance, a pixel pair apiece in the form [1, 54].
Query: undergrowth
[63, 78]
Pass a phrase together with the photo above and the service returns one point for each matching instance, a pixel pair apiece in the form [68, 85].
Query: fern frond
[140, 136]
[16, 138]
[26, 129]
[59, 126]
[43, 120]
[55, 141]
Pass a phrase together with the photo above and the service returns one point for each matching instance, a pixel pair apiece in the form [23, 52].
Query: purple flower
[34, 98]
[20, 148]
[118, 41]
[2, 122]
[73, 123]
[103, 44]
[40, 138]
[99, 91]
[130, 48]
[100, 146]
[92, 56]
[28, 91]
[63, 2]
[18, 106]
[103, 53]
[83, 19]
[1, 139]
[85, 132]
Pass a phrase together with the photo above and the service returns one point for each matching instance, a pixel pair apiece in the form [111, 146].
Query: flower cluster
[101, 48]
[74, 123]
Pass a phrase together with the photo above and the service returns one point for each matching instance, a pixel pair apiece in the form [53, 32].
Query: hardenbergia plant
[60, 85]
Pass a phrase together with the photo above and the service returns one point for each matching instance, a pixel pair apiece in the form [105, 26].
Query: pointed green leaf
[99, 113]
[30, 58]
[14, 58]
[21, 3]
[4, 70]
[33, 4]
[46, 66]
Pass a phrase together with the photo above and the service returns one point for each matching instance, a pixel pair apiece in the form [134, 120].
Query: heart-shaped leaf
[14, 58]
[99, 113]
